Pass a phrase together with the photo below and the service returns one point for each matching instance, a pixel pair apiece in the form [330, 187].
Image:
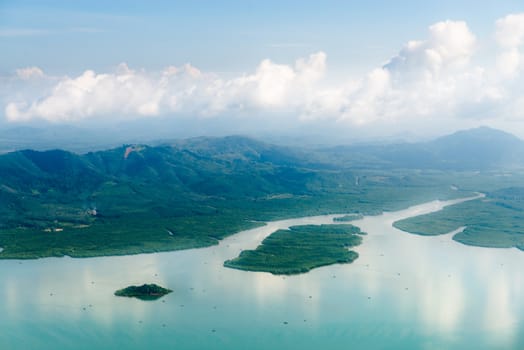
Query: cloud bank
[432, 78]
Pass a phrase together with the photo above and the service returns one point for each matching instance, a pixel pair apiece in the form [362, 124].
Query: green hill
[190, 193]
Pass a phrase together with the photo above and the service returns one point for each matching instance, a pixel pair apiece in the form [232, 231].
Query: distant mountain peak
[482, 132]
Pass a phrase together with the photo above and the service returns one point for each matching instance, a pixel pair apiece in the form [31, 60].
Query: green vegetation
[192, 193]
[139, 199]
[495, 221]
[300, 249]
[124, 236]
[143, 292]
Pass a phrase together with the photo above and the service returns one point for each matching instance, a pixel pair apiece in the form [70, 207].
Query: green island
[143, 292]
[300, 249]
[494, 221]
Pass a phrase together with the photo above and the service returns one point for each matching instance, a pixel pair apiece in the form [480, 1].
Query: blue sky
[69, 36]
[335, 53]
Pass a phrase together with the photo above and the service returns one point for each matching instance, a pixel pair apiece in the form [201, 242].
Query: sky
[353, 69]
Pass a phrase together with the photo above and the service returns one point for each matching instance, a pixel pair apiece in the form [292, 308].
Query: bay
[403, 292]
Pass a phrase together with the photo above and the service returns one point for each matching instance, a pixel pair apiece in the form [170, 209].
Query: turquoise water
[404, 292]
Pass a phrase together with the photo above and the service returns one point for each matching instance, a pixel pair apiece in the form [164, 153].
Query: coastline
[421, 209]
[413, 211]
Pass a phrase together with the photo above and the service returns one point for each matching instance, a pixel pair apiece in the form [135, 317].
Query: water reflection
[404, 290]
[451, 286]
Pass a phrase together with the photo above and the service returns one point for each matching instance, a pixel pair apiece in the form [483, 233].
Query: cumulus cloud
[29, 73]
[92, 94]
[176, 89]
[428, 78]
[510, 30]
[510, 36]
[449, 45]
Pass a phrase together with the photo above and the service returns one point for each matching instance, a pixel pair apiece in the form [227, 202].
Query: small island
[300, 249]
[143, 292]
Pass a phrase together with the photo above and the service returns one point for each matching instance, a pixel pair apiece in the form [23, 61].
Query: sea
[403, 292]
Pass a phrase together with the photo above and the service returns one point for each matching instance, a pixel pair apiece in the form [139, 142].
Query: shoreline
[413, 211]
[436, 205]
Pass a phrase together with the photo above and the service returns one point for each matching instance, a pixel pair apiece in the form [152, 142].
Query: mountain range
[203, 188]
[217, 166]
[475, 149]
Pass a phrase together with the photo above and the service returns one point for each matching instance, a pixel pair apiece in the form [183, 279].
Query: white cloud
[510, 36]
[270, 84]
[92, 94]
[510, 30]
[426, 78]
[508, 62]
[29, 73]
[432, 78]
[177, 89]
[449, 45]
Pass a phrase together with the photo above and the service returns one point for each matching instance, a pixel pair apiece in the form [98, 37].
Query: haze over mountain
[219, 178]
[475, 149]
[235, 166]
[482, 148]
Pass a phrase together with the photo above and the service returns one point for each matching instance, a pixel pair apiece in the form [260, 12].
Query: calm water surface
[404, 292]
